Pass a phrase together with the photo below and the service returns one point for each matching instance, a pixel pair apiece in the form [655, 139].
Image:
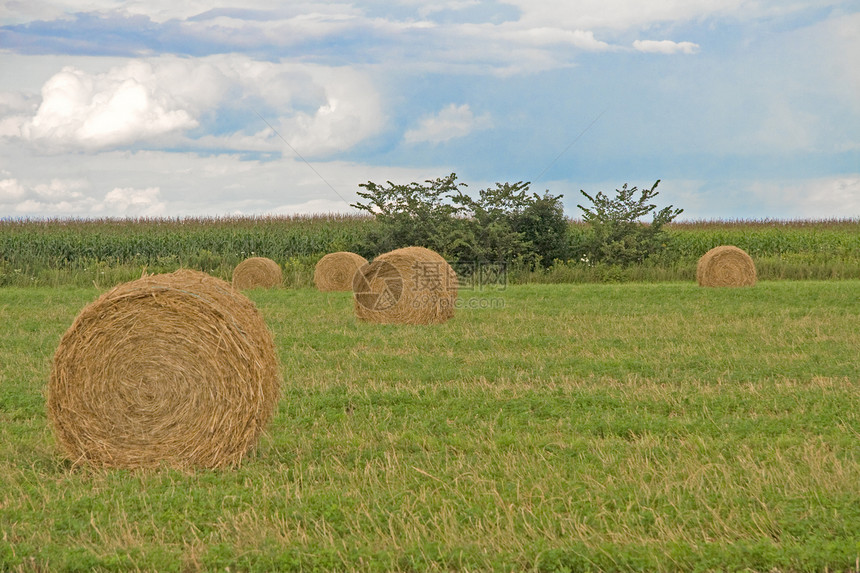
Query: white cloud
[57, 196]
[810, 199]
[60, 189]
[128, 201]
[665, 47]
[348, 111]
[11, 190]
[121, 183]
[632, 14]
[158, 10]
[427, 8]
[11, 102]
[549, 36]
[313, 207]
[63, 197]
[814, 198]
[317, 109]
[118, 107]
[32, 207]
[451, 122]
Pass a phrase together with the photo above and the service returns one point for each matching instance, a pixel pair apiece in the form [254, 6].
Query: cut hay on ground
[726, 266]
[257, 272]
[176, 369]
[412, 285]
[335, 271]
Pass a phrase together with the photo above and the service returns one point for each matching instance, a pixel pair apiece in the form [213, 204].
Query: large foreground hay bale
[412, 285]
[176, 369]
[335, 271]
[257, 272]
[726, 266]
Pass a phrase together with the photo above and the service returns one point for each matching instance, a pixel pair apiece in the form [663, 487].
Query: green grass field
[642, 427]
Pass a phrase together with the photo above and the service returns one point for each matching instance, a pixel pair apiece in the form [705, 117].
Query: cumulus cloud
[347, 109]
[545, 36]
[11, 190]
[118, 107]
[665, 47]
[451, 122]
[128, 201]
[56, 196]
[65, 197]
[206, 103]
[60, 189]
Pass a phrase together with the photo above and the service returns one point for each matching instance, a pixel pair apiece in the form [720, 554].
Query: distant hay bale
[257, 272]
[176, 369]
[726, 266]
[335, 271]
[412, 285]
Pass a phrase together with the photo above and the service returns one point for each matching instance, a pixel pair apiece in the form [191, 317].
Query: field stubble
[636, 427]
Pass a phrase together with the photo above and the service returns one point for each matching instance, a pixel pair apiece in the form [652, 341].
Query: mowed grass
[645, 427]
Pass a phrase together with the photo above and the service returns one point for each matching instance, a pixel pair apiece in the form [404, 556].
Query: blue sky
[744, 109]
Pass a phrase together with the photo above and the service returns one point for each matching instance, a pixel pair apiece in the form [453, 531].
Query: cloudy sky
[744, 109]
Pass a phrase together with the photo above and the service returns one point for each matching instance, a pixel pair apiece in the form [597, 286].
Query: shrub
[545, 226]
[501, 224]
[409, 215]
[618, 236]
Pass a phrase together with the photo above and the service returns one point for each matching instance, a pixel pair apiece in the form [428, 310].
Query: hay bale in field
[176, 369]
[412, 285]
[335, 271]
[257, 272]
[726, 266]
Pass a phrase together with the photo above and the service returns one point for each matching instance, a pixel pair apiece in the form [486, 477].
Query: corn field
[108, 251]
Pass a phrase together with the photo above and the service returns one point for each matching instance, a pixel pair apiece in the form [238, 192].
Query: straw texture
[335, 271]
[176, 369]
[726, 266]
[412, 285]
[257, 272]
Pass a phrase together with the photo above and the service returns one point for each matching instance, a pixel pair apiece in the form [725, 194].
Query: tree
[487, 231]
[545, 226]
[410, 215]
[500, 225]
[619, 237]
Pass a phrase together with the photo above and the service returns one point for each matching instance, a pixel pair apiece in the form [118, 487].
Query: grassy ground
[546, 427]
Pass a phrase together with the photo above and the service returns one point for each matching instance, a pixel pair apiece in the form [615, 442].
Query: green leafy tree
[411, 214]
[501, 224]
[487, 229]
[545, 226]
[619, 237]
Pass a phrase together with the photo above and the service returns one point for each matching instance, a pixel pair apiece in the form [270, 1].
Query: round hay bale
[726, 266]
[335, 271]
[257, 272]
[176, 369]
[412, 285]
